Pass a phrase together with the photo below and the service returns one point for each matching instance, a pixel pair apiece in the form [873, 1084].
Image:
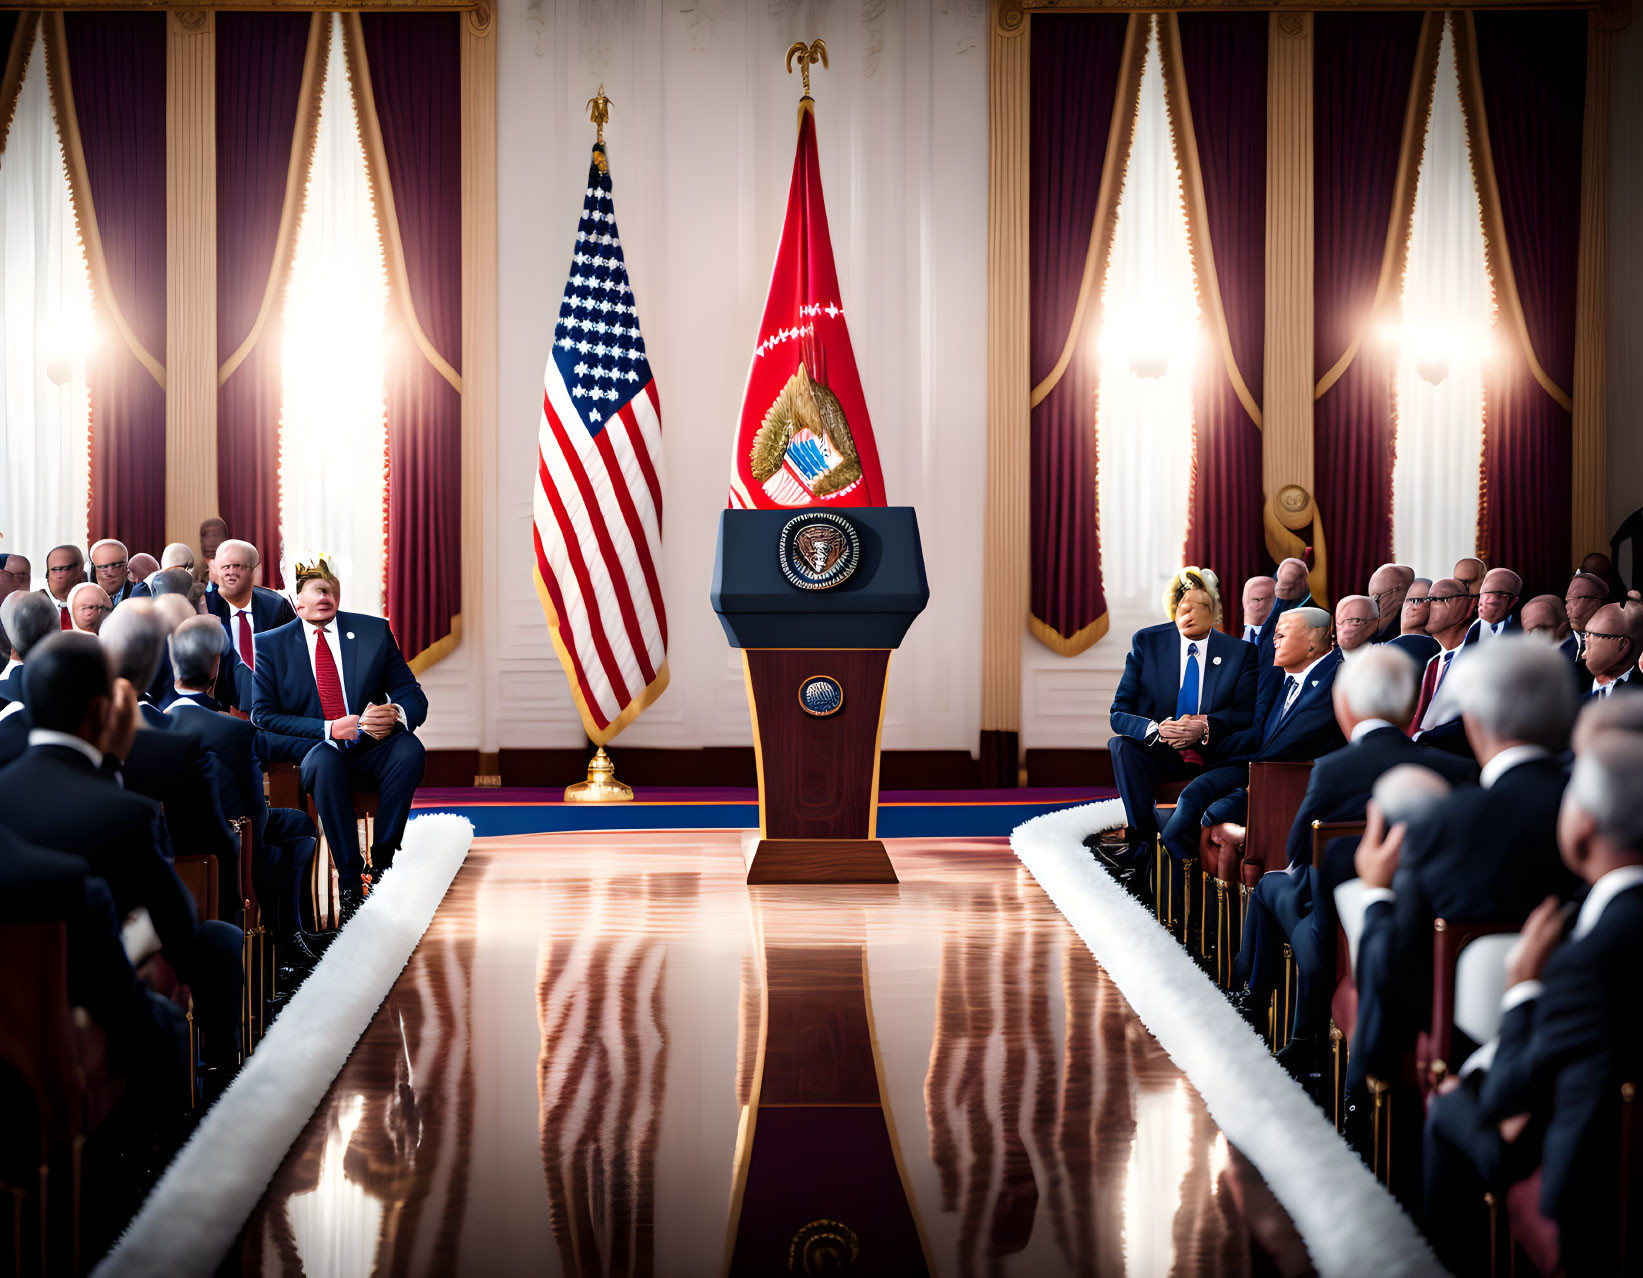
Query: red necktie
[62, 618]
[331, 704]
[1429, 687]
[248, 651]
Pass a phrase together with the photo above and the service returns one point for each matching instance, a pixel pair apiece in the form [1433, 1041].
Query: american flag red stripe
[598, 499]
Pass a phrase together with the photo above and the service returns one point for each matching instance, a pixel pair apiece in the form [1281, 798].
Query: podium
[816, 599]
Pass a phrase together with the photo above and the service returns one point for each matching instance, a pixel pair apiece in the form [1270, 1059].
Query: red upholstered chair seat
[1531, 1231]
[1343, 1006]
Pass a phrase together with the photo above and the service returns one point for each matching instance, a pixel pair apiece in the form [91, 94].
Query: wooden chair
[1449, 941]
[1343, 1004]
[257, 955]
[283, 784]
[1164, 799]
[62, 1064]
[323, 887]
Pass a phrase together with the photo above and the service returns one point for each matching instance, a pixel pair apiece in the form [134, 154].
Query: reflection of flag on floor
[804, 438]
[598, 501]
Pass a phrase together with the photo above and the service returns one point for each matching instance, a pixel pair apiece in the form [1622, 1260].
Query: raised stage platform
[609, 1056]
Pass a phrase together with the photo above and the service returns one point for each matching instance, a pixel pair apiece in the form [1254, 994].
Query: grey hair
[134, 638]
[1380, 684]
[194, 648]
[179, 554]
[171, 581]
[1312, 618]
[1604, 786]
[1409, 793]
[28, 617]
[1517, 689]
[1598, 716]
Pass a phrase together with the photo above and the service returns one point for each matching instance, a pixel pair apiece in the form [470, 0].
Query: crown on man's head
[319, 567]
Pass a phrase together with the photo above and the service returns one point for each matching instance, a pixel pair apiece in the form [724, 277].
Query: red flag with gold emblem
[804, 438]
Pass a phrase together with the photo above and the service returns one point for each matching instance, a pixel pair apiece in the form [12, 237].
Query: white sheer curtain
[45, 334]
[1148, 343]
[333, 421]
[1445, 338]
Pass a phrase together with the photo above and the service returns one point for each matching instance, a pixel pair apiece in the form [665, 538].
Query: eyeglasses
[1569, 599]
[1497, 594]
[63, 568]
[1445, 598]
[1596, 634]
[1353, 621]
[111, 567]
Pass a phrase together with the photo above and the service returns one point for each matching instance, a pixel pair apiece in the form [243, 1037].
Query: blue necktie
[1187, 701]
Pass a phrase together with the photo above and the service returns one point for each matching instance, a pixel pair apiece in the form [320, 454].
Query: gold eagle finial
[599, 113]
[808, 55]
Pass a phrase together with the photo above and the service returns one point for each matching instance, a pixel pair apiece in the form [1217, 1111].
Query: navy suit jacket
[1152, 681]
[1308, 730]
[1421, 647]
[11, 687]
[286, 698]
[1474, 632]
[269, 610]
[131, 590]
[1563, 1056]
[1339, 787]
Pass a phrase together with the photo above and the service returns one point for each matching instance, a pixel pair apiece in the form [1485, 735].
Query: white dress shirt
[1366, 726]
[48, 737]
[1252, 634]
[11, 665]
[1438, 709]
[11, 707]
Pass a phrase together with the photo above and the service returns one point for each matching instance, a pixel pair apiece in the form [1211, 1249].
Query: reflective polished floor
[609, 1056]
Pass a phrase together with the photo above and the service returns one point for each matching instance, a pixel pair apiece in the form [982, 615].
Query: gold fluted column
[1005, 594]
[1286, 396]
[1589, 522]
[479, 335]
[191, 271]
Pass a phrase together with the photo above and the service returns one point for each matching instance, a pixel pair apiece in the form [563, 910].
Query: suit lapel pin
[1215, 661]
[350, 634]
[1314, 682]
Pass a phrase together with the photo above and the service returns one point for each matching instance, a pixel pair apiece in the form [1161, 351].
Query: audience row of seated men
[144, 734]
[1442, 715]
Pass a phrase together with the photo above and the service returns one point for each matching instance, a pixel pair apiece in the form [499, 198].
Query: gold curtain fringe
[1068, 645]
[1417, 115]
[298, 173]
[382, 194]
[1496, 251]
[61, 85]
[17, 61]
[438, 650]
[1195, 205]
[1114, 171]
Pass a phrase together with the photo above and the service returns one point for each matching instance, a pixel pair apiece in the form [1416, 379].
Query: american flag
[598, 501]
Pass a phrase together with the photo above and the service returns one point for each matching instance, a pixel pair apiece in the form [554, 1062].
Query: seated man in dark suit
[1373, 698]
[1389, 586]
[1259, 592]
[174, 769]
[1545, 617]
[27, 618]
[84, 722]
[1185, 684]
[1487, 853]
[1293, 721]
[244, 610]
[1417, 611]
[1293, 589]
[1497, 604]
[282, 838]
[1548, 1093]
[109, 561]
[147, 1036]
[1612, 641]
[337, 679]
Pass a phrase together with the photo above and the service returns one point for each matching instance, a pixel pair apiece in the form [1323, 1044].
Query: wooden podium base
[816, 861]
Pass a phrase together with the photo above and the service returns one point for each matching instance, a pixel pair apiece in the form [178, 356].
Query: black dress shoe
[1303, 1058]
[318, 942]
[1358, 1128]
[1117, 858]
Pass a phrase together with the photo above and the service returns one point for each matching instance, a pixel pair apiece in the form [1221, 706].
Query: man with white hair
[1486, 854]
[1372, 699]
[27, 618]
[1548, 1095]
[245, 610]
[110, 562]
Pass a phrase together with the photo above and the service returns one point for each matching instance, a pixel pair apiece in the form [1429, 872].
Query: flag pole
[601, 785]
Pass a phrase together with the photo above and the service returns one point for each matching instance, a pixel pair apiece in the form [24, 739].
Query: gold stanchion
[601, 785]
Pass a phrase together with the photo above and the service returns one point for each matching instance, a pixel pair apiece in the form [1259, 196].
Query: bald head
[174, 610]
[88, 604]
[1416, 611]
[1584, 597]
[1598, 565]
[234, 568]
[1450, 611]
[1544, 617]
[1291, 580]
[1499, 595]
[1356, 618]
[178, 555]
[1257, 600]
[1389, 587]
[1469, 572]
[108, 565]
[142, 567]
[1612, 640]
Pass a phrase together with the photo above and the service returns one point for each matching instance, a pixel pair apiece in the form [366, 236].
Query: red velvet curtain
[1532, 71]
[1362, 67]
[1223, 64]
[416, 82]
[1076, 64]
[259, 77]
[116, 64]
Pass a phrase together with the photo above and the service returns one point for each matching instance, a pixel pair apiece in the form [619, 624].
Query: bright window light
[1444, 339]
[1150, 342]
[333, 420]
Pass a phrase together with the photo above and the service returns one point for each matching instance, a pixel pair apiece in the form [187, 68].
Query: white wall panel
[701, 145]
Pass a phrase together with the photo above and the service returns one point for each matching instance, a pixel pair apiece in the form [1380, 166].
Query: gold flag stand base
[601, 785]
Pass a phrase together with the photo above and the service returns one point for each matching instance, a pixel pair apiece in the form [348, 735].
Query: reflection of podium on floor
[819, 1186]
[816, 600]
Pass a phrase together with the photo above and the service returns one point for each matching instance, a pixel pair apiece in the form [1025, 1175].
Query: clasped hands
[377, 721]
[1185, 732]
